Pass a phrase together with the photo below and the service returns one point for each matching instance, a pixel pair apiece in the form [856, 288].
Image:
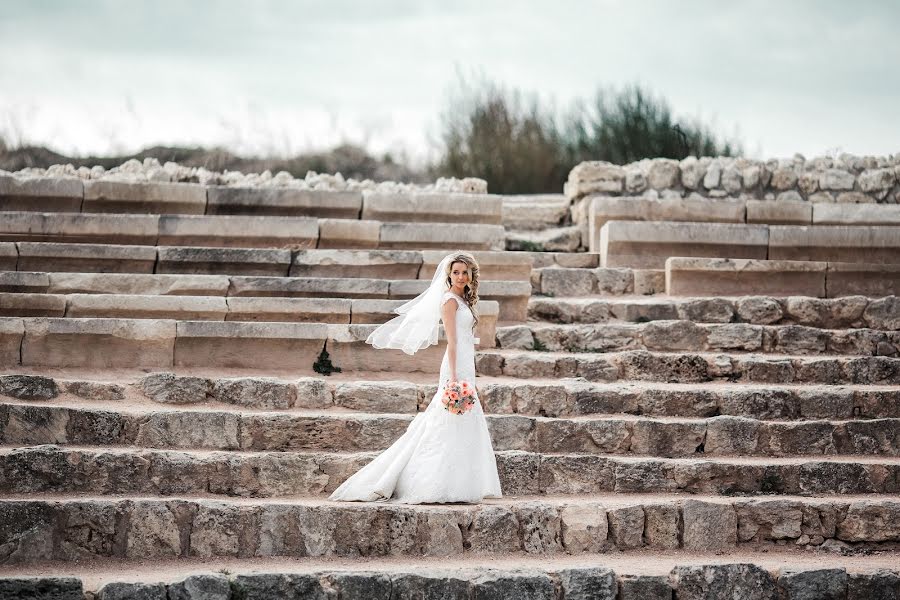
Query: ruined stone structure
[706, 403]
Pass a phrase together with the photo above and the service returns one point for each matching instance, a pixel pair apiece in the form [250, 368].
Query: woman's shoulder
[448, 295]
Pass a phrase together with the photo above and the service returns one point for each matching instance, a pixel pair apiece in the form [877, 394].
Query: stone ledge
[146, 198]
[100, 258]
[432, 207]
[283, 202]
[43, 194]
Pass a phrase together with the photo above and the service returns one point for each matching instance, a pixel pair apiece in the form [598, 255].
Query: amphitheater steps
[627, 575]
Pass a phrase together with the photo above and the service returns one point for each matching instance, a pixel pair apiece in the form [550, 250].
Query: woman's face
[459, 275]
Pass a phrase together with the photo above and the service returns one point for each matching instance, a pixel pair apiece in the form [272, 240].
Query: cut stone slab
[556, 239]
[32, 305]
[296, 310]
[138, 283]
[43, 194]
[308, 287]
[370, 264]
[145, 198]
[444, 236]
[348, 351]
[432, 207]
[534, 212]
[139, 306]
[238, 231]
[856, 214]
[9, 256]
[494, 266]
[737, 277]
[639, 208]
[79, 228]
[779, 213]
[837, 243]
[101, 343]
[251, 345]
[850, 279]
[347, 233]
[24, 282]
[647, 245]
[283, 201]
[229, 261]
[12, 330]
[374, 311]
[90, 258]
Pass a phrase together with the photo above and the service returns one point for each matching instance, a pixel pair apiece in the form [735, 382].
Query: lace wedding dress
[441, 457]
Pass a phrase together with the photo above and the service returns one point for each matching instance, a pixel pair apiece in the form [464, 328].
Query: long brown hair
[470, 293]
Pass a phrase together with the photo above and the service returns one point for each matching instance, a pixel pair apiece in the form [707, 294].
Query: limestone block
[836, 179]
[883, 313]
[444, 236]
[41, 194]
[32, 305]
[63, 588]
[555, 239]
[238, 231]
[147, 198]
[229, 261]
[134, 283]
[533, 212]
[745, 581]
[373, 264]
[880, 584]
[626, 527]
[273, 201]
[874, 280]
[871, 521]
[257, 393]
[154, 530]
[494, 266]
[373, 311]
[856, 214]
[593, 177]
[133, 306]
[614, 282]
[641, 208]
[661, 526]
[92, 258]
[101, 343]
[779, 213]
[201, 587]
[820, 584]
[289, 346]
[736, 277]
[308, 287]
[839, 243]
[649, 281]
[378, 396]
[173, 389]
[12, 330]
[525, 585]
[77, 227]
[28, 387]
[645, 587]
[648, 244]
[432, 207]
[588, 583]
[661, 438]
[709, 527]
[296, 310]
[558, 282]
[347, 233]
[584, 528]
[9, 256]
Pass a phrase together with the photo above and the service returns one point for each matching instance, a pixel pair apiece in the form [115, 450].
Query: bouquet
[459, 397]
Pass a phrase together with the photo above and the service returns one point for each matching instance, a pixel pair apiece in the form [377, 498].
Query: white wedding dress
[441, 457]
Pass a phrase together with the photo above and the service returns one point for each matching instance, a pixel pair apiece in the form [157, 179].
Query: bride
[443, 456]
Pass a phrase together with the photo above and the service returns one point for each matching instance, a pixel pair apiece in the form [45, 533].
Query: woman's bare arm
[448, 315]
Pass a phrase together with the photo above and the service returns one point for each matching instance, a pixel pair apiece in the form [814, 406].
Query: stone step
[142, 528]
[835, 313]
[683, 335]
[108, 196]
[552, 239]
[241, 231]
[737, 277]
[647, 244]
[231, 429]
[121, 342]
[603, 281]
[632, 575]
[641, 365]
[214, 308]
[103, 471]
[563, 398]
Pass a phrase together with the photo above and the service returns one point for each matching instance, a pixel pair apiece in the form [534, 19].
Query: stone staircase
[168, 430]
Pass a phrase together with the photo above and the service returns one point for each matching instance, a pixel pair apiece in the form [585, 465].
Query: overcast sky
[270, 76]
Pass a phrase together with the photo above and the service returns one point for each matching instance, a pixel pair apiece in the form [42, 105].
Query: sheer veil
[417, 325]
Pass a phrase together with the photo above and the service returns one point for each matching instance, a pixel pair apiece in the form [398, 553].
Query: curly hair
[470, 294]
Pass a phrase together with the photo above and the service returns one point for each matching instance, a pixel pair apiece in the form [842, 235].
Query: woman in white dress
[442, 457]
